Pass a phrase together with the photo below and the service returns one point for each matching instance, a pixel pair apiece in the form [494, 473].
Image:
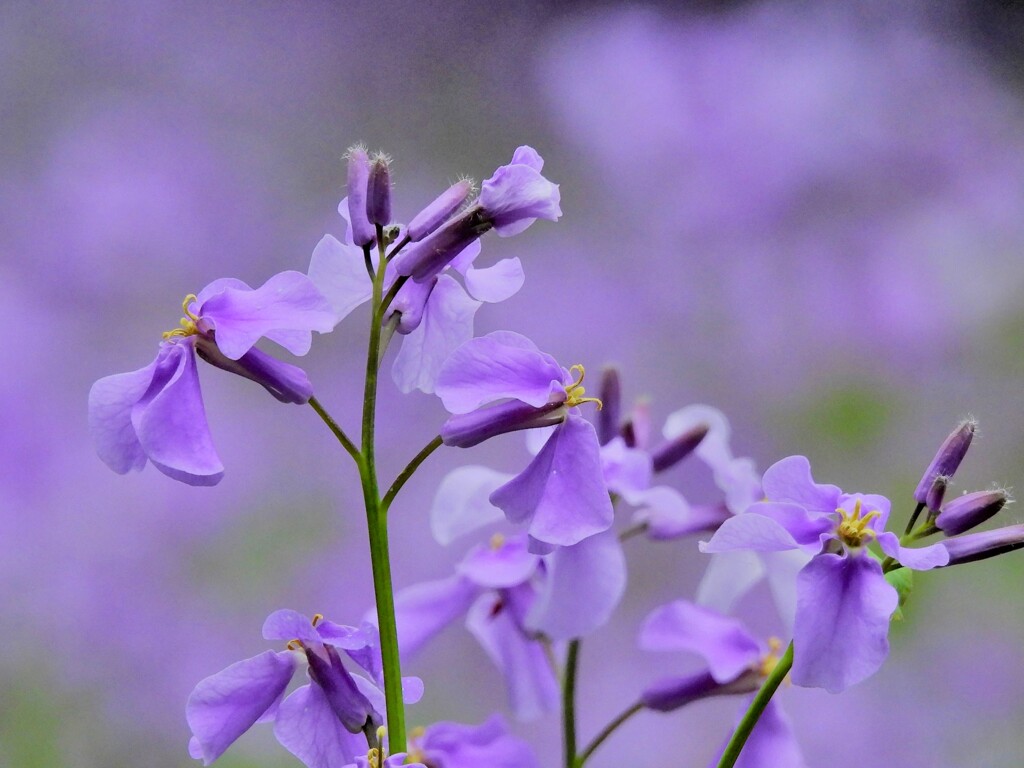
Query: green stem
[913, 519]
[569, 703]
[607, 731]
[376, 521]
[757, 706]
[339, 433]
[406, 473]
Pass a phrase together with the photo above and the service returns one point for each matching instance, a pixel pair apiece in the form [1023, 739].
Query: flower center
[497, 542]
[853, 528]
[188, 323]
[575, 394]
[768, 662]
[415, 753]
[296, 644]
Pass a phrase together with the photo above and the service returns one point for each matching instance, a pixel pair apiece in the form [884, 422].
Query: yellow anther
[417, 732]
[853, 528]
[373, 757]
[294, 645]
[770, 659]
[317, 618]
[575, 394]
[187, 323]
[497, 541]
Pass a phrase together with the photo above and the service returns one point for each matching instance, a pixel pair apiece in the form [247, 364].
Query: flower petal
[170, 420]
[494, 367]
[728, 577]
[504, 563]
[423, 610]
[627, 471]
[286, 624]
[918, 558]
[489, 744]
[111, 400]
[308, 728]
[842, 621]
[750, 531]
[496, 283]
[225, 705]
[462, 503]
[771, 744]
[723, 642]
[447, 323]
[584, 585]
[561, 494]
[667, 515]
[790, 480]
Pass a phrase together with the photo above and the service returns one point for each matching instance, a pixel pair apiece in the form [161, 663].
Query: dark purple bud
[439, 211]
[672, 693]
[969, 511]
[378, 191]
[363, 232]
[672, 452]
[610, 414]
[948, 458]
[628, 433]
[981, 546]
[465, 430]
[350, 706]
[937, 492]
[425, 259]
[288, 383]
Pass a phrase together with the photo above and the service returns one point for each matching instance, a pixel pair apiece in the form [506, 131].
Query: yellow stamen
[317, 618]
[853, 529]
[497, 541]
[188, 323]
[770, 659]
[294, 645]
[575, 393]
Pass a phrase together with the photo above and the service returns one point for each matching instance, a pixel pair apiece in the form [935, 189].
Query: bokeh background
[810, 214]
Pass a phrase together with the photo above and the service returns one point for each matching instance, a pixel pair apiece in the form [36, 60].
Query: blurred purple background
[810, 215]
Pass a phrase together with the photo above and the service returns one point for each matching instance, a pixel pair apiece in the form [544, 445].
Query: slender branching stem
[339, 433]
[569, 703]
[406, 473]
[607, 731]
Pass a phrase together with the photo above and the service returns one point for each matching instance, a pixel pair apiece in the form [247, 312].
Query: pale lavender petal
[750, 531]
[488, 745]
[918, 558]
[496, 283]
[170, 420]
[561, 493]
[728, 577]
[286, 625]
[771, 744]
[584, 585]
[528, 156]
[790, 480]
[225, 705]
[781, 569]
[723, 642]
[804, 526]
[499, 365]
[714, 449]
[307, 727]
[842, 621]
[111, 400]
[531, 683]
[627, 471]
[517, 195]
[339, 272]
[667, 515]
[502, 563]
[740, 481]
[446, 324]
[465, 258]
[219, 285]
[287, 301]
[536, 438]
[423, 610]
[462, 502]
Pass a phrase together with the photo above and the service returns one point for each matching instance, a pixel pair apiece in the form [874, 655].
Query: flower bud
[947, 459]
[671, 693]
[936, 493]
[288, 383]
[363, 232]
[670, 453]
[465, 430]
[439, 211]
[981, 546]
[423, 260]
[378, 191]
[970, 510]
[611, 398]
[347, 702]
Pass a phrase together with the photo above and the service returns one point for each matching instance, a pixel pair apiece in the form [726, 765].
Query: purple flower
[156, 413]
[435, 316]
[452, 745]
[513, 198]
[560, 497]
[840, 634]
[322, 723]
[736, 664]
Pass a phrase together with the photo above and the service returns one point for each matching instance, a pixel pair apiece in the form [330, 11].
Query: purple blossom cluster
[550, 544]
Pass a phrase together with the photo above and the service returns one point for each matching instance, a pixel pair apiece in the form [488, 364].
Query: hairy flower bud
[981, 546]
[610, 395]
[936, 493]
[363, 232]
[423, 260]
[947, 459]
[378, 191]
[439, 211]
[670, 453]
[970, 510]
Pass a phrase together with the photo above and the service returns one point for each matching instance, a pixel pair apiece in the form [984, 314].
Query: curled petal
[496, 283]
[841, 633]
[111, 401]
[462, 503]
[750, 531]
[790, 480]
[917, 558]
[286, 624]
[225, 705]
